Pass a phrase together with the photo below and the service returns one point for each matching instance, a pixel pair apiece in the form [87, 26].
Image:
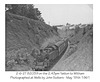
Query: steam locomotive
[49, 54]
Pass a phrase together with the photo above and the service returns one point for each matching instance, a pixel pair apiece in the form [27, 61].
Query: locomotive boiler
[50, 54]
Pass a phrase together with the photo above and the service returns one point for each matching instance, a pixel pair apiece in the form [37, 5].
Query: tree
[55, 28]
[32, 12]
[26, 10]
[77, 28]
[7, 7]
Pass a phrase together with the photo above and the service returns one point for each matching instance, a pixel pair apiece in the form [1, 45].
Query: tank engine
[49, 54]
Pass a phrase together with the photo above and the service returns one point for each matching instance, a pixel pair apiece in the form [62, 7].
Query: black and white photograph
[48, 37]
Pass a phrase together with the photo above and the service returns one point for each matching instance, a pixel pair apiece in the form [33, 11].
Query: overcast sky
[56, 14]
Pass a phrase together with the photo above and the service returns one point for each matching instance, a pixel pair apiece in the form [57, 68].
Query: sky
[60, 14]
